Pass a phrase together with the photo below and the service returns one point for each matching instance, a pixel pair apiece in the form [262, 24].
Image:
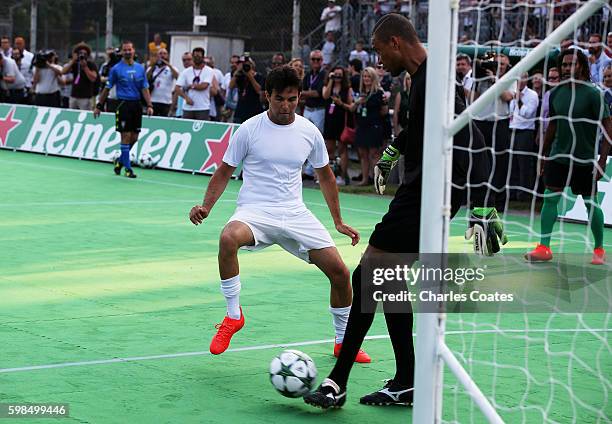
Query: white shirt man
[598, 65]
[361, 55]
[48, 80]
[9, 68]
[328, 52]
[523, 110]
[200, 109]
[162, 86]
[26, 68]
[332, 14]
[220, 81]
[499, 109]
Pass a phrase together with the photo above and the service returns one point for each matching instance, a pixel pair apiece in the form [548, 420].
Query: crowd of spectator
[358, 107]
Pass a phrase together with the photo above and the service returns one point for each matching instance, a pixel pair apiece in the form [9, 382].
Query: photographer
[26, 65]
[194, 85]
[46, 80]
[113, 56]
[12, 83]
[161, 77]
[85, 74]
[494, 120]
[249, 83]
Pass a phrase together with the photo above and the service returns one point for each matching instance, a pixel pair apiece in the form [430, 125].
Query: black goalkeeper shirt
[412, 135]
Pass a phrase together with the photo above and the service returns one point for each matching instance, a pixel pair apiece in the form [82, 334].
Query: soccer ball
[293, 373]
[146, 161]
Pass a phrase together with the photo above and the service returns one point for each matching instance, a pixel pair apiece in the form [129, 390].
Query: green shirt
[570, 106]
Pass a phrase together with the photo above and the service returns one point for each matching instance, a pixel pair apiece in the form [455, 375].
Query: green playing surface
[109, 296]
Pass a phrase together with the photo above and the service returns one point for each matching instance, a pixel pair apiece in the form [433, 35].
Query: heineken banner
[177, 144]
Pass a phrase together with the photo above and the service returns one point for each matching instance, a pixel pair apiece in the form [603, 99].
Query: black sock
[356, 329]
[400, 332]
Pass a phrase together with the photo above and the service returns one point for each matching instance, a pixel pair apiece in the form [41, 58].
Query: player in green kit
[570, 149]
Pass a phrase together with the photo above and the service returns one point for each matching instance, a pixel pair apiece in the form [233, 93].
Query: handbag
[348, 134]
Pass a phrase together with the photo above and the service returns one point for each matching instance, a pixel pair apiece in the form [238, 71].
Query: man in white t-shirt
[332, 16]
[25, 67]
[360, 53]
[218, 81]
[194, 85]
[523, 110]
[272, 146]
[46, 83]
[328, 49]
[161, 78]
[11, 81]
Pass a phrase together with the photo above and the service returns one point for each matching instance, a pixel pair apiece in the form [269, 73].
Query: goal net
[545, 357]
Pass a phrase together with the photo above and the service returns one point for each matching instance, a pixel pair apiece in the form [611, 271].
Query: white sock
[340, 316]
[231, 290]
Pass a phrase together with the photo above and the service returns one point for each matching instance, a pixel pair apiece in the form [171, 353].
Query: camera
[113, 58]
[487, 63]
[42, 57]
[246, 62]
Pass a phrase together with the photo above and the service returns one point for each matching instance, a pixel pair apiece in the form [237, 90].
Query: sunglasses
[316, 59]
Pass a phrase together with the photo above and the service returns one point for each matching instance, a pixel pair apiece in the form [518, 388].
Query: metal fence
[268, 24]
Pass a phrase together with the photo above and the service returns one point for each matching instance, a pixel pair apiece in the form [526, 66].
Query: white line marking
[283, 345]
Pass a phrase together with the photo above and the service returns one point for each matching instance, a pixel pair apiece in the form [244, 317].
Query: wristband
[100, 106]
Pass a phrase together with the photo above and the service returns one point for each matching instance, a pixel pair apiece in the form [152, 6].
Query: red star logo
[216, 150]
[7, 125]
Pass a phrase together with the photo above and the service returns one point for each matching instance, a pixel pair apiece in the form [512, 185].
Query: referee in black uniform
[400, 49]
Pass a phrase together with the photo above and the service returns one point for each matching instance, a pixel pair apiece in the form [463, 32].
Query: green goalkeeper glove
[487, 230]
[383, 168]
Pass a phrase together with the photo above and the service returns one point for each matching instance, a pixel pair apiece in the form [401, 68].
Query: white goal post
[440, 126]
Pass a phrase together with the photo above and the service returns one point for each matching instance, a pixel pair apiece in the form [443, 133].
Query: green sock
[549, 215]
[597, 219]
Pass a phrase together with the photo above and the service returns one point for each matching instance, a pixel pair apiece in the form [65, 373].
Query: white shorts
[295, 231]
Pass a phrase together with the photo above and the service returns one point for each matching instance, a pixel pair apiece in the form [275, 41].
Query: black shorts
[128, 116]
[581, 178]
[399, 229]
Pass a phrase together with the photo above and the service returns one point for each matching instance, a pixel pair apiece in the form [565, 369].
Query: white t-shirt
[201, 98]
[48, 81]
[26, 68]
[497, 109]
[163, 85]
[10, 69]
[272, 156]
[328, 52]
[219, 77]
[362, 55]
[335, 23]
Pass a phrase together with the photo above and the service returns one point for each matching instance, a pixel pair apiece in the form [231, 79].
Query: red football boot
[599, 256]
[225, 331]
[540, 254]
[362, 357]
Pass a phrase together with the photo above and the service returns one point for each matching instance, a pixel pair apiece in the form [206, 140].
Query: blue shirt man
[131, 82]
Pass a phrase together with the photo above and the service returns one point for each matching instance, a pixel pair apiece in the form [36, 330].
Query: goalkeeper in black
[400, 49]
